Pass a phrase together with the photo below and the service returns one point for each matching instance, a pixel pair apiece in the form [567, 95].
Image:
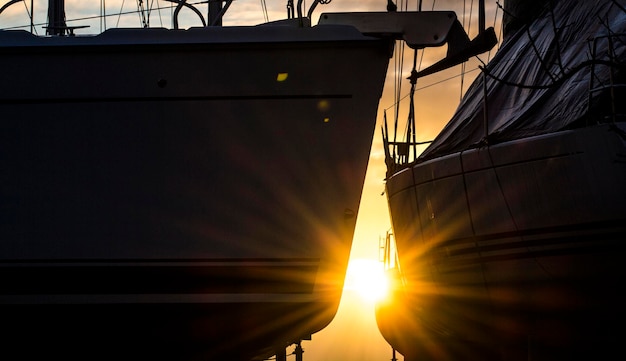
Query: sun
[367, 278]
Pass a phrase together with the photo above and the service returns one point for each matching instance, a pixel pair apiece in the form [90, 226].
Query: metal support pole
[298, 352]
[215, 8]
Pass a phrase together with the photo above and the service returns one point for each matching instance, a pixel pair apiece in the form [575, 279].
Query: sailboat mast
[56, 17]
[215, 8]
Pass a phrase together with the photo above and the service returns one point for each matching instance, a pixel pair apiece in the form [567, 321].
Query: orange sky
[353, 334]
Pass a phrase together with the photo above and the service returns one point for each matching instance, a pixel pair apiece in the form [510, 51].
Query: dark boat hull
[512, 251]
[181, 193]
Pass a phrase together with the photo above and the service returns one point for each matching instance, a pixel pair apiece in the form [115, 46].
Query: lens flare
[367, 278]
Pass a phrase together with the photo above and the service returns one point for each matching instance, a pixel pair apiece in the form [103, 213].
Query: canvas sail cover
[539, 80]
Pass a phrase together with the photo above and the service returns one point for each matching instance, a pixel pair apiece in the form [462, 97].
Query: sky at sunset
[353, 335]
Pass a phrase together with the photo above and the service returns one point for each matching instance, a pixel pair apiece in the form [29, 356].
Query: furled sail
[526, 98]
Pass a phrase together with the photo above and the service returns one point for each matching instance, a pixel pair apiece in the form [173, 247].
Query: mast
[215, 9]
[56, 18]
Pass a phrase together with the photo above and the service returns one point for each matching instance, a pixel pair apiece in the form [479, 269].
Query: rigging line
[413, 78]
[532, 42]
[591, 53]
[433, 84]
[558, 81]
[140, 13]
[31, 15]
[495, 20]
[264, 8]
[108, 15]
[411, 131]
[619, 6]
[145, 13]
[13, 2]
[469, 27]
[103, 19]
[91, 17]
[462, 81]
[419, 66]
[469, 22]
[424, 50]
[538, 55]
[610, 33]
[120, 14]
[463, 64]
[464, 13]
[506, 201]
[399, 82]
[150, 8]
[556, 36]
[159, 12]
[397, 91]
[469, 210]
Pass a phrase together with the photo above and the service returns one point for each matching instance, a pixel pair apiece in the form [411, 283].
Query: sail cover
[539, 80]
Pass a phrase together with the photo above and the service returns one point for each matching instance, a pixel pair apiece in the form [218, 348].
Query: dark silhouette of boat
[509, 227]
[186, 194]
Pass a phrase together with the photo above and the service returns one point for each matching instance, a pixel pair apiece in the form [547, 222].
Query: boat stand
[281, 355]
